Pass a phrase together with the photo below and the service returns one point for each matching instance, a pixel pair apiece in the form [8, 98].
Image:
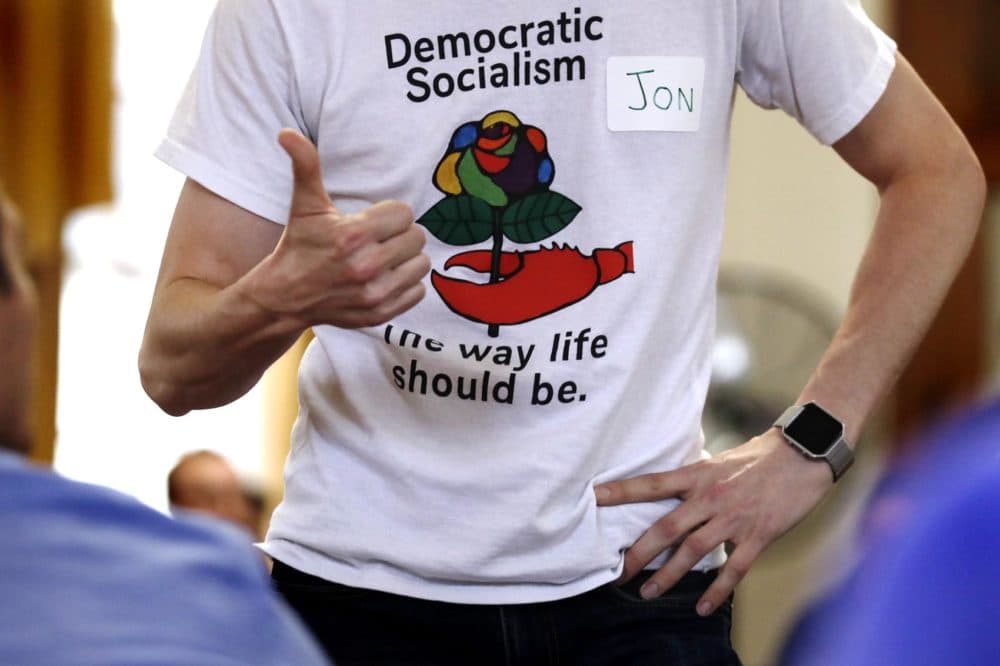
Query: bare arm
[236, 290]
[932, 195]
[932, 192]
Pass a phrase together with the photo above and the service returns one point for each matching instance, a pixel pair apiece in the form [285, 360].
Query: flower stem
[494, 329]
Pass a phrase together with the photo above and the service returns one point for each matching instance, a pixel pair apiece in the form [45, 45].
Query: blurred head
[18, 321]
[205, 482]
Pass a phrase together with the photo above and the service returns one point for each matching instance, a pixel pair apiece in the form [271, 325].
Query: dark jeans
[609, 625]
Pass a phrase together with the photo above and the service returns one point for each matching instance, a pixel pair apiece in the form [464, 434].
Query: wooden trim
[950, 365]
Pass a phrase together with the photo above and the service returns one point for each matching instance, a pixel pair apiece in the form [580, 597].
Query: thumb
[309, 195]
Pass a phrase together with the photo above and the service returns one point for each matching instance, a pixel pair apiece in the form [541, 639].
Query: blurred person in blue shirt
[926, 588]
[91, 576]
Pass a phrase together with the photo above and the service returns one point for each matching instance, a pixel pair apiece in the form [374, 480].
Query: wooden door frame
[953, 46]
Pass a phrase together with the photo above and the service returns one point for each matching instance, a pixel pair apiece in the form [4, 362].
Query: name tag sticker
[655, 93]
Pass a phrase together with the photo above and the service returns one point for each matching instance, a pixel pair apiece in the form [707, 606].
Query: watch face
[814, 429]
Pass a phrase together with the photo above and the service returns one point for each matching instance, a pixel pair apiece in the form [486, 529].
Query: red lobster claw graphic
[532, 284]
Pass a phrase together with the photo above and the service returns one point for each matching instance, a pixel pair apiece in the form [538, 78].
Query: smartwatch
[817, 435]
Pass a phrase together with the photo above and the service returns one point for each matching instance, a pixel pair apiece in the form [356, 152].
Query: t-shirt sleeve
[241, 94]
[823, 62]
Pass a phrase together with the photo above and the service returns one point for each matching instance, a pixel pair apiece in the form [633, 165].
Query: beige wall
[794, 206]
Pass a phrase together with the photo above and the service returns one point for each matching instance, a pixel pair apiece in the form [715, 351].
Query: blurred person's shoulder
[118, 579]
[28, 489]
[958, 449]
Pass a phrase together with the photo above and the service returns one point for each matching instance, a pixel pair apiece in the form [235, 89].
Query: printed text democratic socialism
[512, 56]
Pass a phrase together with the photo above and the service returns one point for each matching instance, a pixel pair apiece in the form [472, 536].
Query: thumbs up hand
[347, 270]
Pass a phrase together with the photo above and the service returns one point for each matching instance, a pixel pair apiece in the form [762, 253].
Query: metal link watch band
[839, 456]
[787, 416]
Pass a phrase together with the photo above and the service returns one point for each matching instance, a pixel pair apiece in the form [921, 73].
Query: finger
[370, 260]
[387, 219]
[414, 269]
[366, 230]
[645, 488]
[663, 534]
[391, 283]
[309, 196]
[688, 553]
[366, 317]
[360, 297]
[732, 572]
[403, 247]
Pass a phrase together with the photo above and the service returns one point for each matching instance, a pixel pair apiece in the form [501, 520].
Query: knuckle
[423, 265]
[766, 532]
[362, 269]
[688, 552]
[716, 491]
[666, 529]
[346, 238]
[421, 237]
[738, 569]
[657, 484]
[699, 471]
[400, 209]
[633, 563]
[353, 273]
[373, 294]
[735, 523]
[697, 545]
[389, 307]
[762, 530]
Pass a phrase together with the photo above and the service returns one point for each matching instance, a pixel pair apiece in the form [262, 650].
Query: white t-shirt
[579, 152]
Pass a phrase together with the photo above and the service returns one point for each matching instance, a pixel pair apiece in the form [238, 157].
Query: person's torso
[567, 162]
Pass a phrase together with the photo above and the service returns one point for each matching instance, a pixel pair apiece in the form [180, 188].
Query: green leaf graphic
[460, 220]
[538, 216]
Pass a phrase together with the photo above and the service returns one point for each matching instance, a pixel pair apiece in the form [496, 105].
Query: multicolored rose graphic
[497, 160]
[496, 175]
